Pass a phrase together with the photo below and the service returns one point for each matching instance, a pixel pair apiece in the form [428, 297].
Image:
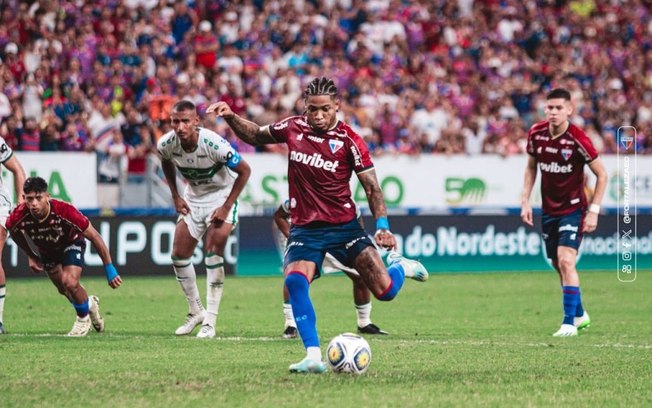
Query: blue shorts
[344, 242]
[565, 230]
[73, 254]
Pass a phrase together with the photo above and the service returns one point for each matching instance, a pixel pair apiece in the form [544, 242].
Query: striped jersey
[206, 169]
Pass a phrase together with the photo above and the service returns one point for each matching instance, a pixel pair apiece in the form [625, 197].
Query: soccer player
[323, 153]
[561, 149]
[52, 232]
[216, 175]
[361, 295]
[11, 163]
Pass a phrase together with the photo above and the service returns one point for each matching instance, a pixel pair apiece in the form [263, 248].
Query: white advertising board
[440, 182]
[71, 177]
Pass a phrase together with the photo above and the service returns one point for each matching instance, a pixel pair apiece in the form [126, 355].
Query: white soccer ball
[348, 353]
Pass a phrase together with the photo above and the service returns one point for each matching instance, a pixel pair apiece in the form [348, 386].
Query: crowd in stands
[415, 76]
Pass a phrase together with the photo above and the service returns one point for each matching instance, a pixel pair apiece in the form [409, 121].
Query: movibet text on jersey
[555, 167]
[314, 160]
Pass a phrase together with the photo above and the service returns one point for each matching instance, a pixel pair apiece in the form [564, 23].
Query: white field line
[472, 343]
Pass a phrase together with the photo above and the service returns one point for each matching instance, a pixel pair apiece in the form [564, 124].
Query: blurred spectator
[419, 75]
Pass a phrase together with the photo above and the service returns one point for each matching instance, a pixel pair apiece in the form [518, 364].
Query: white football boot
[81, 327]
[94, 313]
[582, 322]
[413, 269]
[566, 330]
[192, 321]
[207, 332]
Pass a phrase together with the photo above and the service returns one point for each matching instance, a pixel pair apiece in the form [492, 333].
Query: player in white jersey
[216, 175]
[9, 160]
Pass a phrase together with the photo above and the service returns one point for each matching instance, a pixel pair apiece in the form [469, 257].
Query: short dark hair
[35, 185]
[559, 93]
[184, 105]
[321, 86]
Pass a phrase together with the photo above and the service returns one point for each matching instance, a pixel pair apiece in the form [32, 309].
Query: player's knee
[296, 282]
[566, 263]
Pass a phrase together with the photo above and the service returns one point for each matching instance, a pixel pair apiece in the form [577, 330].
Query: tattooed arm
[378, 208]
[244, 129]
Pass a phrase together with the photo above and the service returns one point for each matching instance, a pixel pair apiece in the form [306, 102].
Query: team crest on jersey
[335, 145]
[566, 153]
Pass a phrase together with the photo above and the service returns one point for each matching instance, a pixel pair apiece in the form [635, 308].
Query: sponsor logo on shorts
[568, 227]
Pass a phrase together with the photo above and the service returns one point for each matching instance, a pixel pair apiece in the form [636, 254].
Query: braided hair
[321, 86]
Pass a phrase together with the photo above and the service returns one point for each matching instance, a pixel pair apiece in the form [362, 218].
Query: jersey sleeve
[281, 130]
[72, 215]
[585, 145]
[164, 146]
[5, 151]
[360, 157]
[530, 143]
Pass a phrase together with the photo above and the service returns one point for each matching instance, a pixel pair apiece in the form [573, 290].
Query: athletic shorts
[4, 214]
[344, 242]
[73, 254]
[199, 219]
[565, 230]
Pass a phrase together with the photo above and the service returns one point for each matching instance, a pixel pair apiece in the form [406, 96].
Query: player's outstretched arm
[369, 182]
[112, 276]
[591, 218]
[528, 183]
[244, 129]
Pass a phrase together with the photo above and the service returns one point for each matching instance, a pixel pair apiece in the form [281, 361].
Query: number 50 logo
[471, 190]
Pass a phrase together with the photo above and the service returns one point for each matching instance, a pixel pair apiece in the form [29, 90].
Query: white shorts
[4, 214]
[199, 219]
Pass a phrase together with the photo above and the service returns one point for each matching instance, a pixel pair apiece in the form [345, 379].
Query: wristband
[110, 271]
[382, 223]
[594, 208]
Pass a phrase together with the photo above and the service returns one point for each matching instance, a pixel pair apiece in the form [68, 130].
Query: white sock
[364, 314]
[185, 272]
[314, 353]
[3, 291]
[214, 287]
[289, 316]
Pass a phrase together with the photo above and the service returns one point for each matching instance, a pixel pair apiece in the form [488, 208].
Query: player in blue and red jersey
[52, 232]
[560, 150]
[323, 154]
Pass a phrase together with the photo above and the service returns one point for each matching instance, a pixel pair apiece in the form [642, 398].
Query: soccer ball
[348, 353]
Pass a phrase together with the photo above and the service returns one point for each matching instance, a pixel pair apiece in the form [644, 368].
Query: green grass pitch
[457, 340]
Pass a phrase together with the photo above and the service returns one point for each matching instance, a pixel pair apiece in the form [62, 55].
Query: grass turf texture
[456, 340]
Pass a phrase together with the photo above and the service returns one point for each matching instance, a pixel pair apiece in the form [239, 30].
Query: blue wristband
[110, 271]
[382, 223]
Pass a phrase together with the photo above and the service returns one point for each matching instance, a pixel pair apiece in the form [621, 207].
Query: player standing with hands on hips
[216, 175]
[561, 149]
[52, 233]
[323, 154]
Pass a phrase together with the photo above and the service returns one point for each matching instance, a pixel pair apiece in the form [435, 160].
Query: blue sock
[571, 299]
[579, 311]
[304, 313]
[397, 274]
[83, 309]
